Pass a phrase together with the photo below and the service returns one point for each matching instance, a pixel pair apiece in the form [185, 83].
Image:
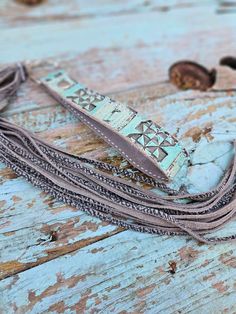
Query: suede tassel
[107, 192]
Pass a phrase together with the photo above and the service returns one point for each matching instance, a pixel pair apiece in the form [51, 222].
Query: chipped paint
[228, 259]
[208, 277]
[188, 254]
[220, 287]
[143, 292]
[94, 284]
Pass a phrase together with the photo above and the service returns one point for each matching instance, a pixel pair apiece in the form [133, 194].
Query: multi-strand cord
[108, 192]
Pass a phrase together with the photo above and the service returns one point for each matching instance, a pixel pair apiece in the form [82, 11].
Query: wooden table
[122, 48]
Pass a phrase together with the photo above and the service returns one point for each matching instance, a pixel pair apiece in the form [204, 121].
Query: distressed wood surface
[13, 14]
[55, 259]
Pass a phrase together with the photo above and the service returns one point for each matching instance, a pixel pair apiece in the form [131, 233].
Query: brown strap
[145, 144]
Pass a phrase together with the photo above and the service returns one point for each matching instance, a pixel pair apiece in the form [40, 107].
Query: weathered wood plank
[128, 273]
[137, 30]
[28, 247]
[98, 70]
[14, 14]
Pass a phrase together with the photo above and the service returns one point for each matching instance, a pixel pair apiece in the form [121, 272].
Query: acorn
[229, 61]
[30, 2]
[191, 75]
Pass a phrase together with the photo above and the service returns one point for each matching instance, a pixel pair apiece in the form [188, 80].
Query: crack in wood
[14, 267]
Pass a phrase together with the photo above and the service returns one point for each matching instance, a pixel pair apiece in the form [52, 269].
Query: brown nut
[191, 75]
[30, 2]
[229, 61]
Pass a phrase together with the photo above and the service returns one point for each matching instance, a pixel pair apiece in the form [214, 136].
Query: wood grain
[13, 13]
[129, 273]
[169, 36]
